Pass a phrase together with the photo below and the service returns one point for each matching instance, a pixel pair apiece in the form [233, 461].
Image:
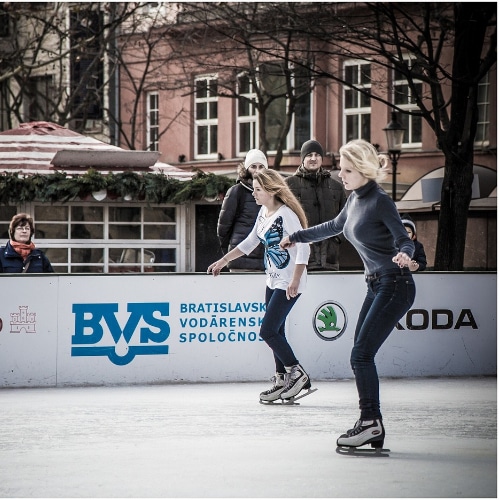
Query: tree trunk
[457, 143]
[455, 199]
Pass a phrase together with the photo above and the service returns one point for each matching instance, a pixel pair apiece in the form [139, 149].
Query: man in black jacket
[238, 213]
[322, 198]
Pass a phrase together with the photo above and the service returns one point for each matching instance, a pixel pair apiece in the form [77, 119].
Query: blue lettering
[97, 312]
[147, 311]
[89, 330]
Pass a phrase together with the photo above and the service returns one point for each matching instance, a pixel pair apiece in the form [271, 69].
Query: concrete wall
[59, 330]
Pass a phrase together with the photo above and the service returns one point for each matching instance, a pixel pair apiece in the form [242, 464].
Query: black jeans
[389, 296]
[272, 330]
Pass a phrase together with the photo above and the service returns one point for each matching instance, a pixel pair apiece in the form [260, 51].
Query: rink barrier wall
[76, 330]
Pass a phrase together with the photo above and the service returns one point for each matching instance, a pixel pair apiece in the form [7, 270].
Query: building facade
[201, 85]
[208, 99]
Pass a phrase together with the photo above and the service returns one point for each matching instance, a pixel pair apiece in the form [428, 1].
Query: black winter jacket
[12, 262]
[322, 198]
[419, 256]
[236, 219]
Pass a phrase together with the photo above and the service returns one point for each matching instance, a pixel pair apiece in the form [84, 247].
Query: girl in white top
[280, 215]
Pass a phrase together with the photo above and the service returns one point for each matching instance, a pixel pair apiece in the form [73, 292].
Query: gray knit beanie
[311, 146]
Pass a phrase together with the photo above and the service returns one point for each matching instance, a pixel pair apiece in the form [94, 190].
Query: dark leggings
[387, 299]
[272, 330]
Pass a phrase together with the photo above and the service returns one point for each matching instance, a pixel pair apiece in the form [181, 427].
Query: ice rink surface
[216, 440]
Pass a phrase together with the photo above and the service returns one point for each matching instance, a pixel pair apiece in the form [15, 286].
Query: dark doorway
[207, 248]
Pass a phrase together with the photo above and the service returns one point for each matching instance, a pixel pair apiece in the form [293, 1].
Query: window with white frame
[357, 106]
[153, 120]
[404, 97]
[109, 238]
[6, 214]
[302, 116]
[273, 81]
[483, 106]
[247, 123]
[206, 117]
[38, 98]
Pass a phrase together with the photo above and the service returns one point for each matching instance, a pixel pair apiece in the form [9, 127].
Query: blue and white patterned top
[279, 264]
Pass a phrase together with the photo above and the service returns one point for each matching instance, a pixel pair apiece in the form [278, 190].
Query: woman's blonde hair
[273, 183]
[366, 159]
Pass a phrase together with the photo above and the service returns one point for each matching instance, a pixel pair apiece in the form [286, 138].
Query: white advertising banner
[28, 331]
[159, 328]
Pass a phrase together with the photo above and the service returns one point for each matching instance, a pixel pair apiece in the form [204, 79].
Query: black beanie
[311, 146]
[408, 221]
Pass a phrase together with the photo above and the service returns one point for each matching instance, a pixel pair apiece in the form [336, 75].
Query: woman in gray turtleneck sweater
[370, 221]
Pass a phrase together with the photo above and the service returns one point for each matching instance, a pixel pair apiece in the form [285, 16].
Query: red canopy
[32, 146]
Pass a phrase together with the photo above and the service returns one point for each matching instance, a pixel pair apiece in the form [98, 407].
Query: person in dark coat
[238, 213]
[419, 261]
[19, 255]
[322, 198]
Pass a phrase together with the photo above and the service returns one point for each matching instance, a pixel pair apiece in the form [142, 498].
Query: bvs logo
[90, 320]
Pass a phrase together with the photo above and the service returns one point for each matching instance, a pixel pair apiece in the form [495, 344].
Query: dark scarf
[303, 172]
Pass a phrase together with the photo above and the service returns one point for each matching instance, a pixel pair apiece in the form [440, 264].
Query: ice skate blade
[362, 452]
[293, 399]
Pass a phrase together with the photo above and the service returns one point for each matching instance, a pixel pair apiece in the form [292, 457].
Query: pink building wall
[327, 128]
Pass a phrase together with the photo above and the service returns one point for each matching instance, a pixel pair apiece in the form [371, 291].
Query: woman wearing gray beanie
[238, 213]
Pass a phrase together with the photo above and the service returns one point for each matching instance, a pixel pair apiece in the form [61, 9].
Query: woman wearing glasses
[19, 255]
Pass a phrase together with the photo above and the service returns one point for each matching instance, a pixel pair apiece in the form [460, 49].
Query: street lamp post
[394, 132]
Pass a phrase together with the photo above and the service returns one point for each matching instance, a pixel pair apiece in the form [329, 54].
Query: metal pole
[394, 173]
[394, 159]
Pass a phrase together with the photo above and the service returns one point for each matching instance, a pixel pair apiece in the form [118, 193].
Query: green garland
[149, 187]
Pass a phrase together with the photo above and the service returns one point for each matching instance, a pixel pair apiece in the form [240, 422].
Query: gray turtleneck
[370, 221]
